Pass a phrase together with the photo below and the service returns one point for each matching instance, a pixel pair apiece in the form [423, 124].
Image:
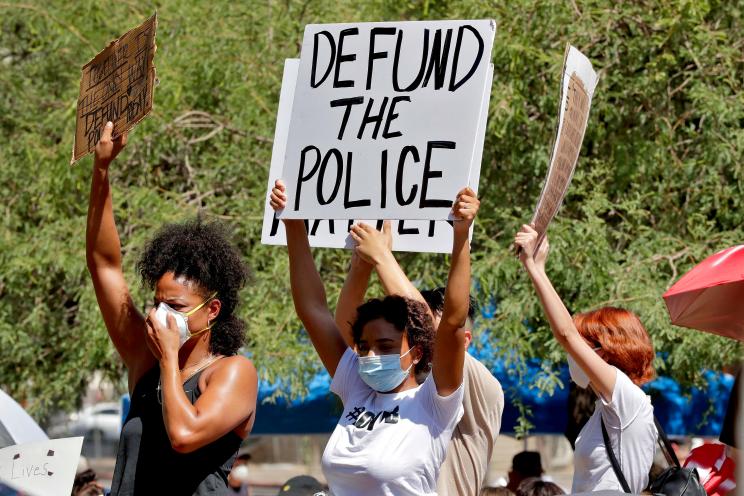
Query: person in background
[193, 396]
[534, 486]
[237, 480]
[525, 465]
[86, 481]
[610, 351]
[580, 409]
[730, 421]
[302, 485]
[496, 491]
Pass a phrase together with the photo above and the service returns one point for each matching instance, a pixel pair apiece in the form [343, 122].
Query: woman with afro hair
[193, 398]
[392, 437]
[610, 351]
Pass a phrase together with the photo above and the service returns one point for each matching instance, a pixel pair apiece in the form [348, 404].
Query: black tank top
[147, 464]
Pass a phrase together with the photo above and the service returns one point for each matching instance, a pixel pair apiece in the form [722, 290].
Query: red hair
[623, 339]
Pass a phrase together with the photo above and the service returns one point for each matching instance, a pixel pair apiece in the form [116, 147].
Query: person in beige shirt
[470, 450]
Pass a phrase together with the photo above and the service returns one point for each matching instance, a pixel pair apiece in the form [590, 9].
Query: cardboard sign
[117, 86]
[408, 235]
[42, 468]
[577, 89]
[385, 118]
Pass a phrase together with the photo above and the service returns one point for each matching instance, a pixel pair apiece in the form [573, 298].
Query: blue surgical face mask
[383, 373]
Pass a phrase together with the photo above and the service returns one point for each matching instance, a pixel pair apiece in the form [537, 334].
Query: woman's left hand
[164, 342]
[465, 208]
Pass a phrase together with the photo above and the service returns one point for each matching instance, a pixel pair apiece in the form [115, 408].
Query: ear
[214, 306]
[417, 354]
[468, 337]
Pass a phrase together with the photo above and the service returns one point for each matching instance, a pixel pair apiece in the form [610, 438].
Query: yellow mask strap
[194, 334]
[190, 312]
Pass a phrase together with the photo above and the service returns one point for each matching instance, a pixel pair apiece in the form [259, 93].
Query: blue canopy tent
[700, 412]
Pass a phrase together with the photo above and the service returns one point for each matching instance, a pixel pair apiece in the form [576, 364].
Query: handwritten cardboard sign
[117, 86]
[577, 89]
[42, 468]
[431, 236]
[385, 118]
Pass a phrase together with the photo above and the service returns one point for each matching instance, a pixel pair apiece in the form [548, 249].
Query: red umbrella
[710, 297]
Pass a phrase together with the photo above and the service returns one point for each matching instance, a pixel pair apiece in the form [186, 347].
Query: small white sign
[45, 468]
[385, 117]
[428, 236]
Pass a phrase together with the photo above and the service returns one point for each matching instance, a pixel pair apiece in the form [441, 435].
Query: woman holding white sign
[610, 351]
[393, 434]
[193, 399]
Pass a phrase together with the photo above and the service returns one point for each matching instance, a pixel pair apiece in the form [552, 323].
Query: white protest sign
[385, 118]
[42, 468]
[577, 89]
[408, 235]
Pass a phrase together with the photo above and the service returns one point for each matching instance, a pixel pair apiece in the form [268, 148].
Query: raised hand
[163, 341]
[526, 239]
[278, 195]
[373, 246]
[107, 149]
[465, 208]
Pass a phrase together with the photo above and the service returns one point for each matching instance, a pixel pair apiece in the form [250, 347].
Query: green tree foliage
[659, 185]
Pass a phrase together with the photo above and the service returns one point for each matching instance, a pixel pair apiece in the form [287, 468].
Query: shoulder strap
[666, 446]
[613, 460]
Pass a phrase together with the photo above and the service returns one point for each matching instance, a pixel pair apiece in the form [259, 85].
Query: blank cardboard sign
[577, 89]
[117, 86]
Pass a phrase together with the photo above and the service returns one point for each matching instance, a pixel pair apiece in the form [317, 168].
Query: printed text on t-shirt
[366, 419]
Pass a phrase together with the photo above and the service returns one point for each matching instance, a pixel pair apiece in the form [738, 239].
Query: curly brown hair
[203, 254]
[404, 314]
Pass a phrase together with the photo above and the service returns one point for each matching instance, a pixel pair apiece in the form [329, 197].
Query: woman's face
[380, 337]
[183, 295]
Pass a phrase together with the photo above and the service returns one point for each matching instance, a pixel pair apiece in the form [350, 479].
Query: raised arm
[124, 323]
[308, 292]
[601, 374]
[375, 247]
[449, 345]
[352, 295]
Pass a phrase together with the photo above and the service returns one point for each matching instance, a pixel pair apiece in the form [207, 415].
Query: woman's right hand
[107, 149]
[526, 239]
[372, 246]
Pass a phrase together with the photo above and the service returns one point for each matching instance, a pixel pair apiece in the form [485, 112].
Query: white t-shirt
[388, 443]
[629, 419]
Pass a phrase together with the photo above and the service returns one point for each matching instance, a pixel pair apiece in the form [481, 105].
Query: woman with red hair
[610, 351]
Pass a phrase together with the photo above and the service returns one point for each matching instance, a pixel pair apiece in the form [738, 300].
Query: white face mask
[240, 473]
[182, 319]
[577, 373]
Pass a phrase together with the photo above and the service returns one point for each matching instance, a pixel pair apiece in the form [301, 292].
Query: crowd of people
[420, 415]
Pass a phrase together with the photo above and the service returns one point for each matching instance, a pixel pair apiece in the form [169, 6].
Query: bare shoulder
[233, 368]
[237, 364]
